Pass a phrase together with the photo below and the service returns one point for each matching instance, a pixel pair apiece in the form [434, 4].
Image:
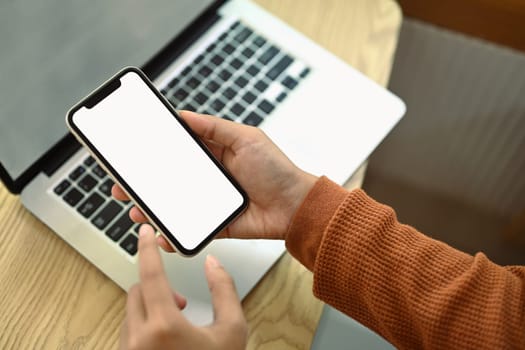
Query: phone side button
[130, 244]
[108, 213]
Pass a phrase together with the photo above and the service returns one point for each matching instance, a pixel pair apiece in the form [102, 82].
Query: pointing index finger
[154, 283]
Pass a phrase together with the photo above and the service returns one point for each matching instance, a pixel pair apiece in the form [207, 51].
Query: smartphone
[169, 173]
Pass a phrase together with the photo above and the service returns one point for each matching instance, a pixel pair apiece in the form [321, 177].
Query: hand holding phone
[139, 138]
[275, 186]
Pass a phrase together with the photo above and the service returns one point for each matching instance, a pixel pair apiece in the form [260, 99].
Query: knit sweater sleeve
[414, 291]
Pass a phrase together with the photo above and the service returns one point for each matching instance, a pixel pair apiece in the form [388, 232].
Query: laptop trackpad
[246, 261]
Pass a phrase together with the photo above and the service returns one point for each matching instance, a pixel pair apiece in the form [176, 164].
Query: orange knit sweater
[416, 292]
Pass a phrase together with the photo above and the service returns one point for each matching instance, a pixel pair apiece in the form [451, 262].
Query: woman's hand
[275, 186]
[153, 312]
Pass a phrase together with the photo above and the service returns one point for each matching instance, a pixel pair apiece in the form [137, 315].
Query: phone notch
[100, 94]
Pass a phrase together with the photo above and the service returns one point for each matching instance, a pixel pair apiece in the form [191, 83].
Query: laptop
[228, 58]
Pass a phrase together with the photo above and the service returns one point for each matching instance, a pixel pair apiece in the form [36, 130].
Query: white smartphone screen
[168, 173]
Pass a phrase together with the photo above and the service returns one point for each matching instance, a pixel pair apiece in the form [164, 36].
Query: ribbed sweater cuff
[311, 219]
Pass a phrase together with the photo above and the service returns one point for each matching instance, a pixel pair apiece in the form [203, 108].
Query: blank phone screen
[157, 159]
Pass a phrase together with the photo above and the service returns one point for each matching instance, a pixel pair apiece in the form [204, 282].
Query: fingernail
[144, 230]
[212, 261]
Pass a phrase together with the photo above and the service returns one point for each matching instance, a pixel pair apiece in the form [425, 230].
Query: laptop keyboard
[241, 77]
[88, 189]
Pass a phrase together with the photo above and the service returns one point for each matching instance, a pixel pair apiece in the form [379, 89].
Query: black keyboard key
[235, 25]
[259, 41]
[210, 48]
[107, 214]
[200, 98]
[243, 35]
[304, 73]
[228, 49]
[87, 183]
[248, 52]
[90, 205]
[227, 118]
[97, 170]
[241, 82]
[121, 226]
[186, 71]
[229, 93]
[205, 71]
[237, 109]
[217, 59]
[174, 102]
[279, 67]
[137, 228]
[212, 86]
[106, 187]
[268, 55]
[253, 119]
[224, 74]
[261, 86]
[73, 197]
[89, 161]
[193, 83]
[179, 95]
[173, 82]
[289, 82]
[206, 110]
[75, 174]
[253, 70]
[223, 36]
[249, 97]
[130, 244]
[266, 106]
[217, 105]
[61, 187]
[188, 107]
[198, 59]
[281, 97]
[236, 63]
[164, 92]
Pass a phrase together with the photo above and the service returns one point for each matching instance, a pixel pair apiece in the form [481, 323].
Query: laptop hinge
[60, 153]
[48, 163]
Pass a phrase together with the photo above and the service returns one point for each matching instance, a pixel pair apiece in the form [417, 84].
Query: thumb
[221, 131]
[226, 304]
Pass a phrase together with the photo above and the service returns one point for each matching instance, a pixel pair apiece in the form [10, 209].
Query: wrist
[310, 220]
[305, 183]
[302, 184]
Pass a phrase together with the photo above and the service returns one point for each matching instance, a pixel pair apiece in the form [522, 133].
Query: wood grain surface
[52, 298]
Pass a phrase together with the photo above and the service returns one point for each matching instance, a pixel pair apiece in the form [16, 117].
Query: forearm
[414, 291]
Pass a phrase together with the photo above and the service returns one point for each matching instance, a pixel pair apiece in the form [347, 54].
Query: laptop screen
[56, 52]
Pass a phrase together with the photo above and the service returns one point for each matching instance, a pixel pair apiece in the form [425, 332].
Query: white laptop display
[228, 58]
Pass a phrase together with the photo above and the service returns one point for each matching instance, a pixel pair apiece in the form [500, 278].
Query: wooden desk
[51, 297]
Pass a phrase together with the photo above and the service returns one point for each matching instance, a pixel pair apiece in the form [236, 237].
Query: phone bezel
[105, 90]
